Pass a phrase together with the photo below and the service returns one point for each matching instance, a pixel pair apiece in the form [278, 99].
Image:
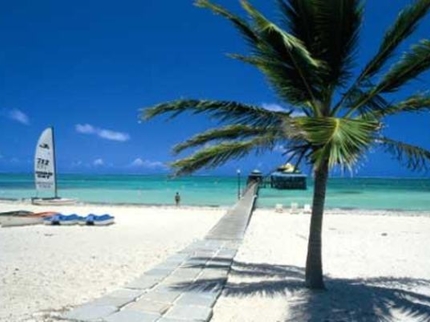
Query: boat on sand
[23, 218]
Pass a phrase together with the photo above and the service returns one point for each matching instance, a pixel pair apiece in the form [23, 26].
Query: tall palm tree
[332, 118]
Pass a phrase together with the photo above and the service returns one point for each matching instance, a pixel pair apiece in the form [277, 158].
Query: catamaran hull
[53, 202]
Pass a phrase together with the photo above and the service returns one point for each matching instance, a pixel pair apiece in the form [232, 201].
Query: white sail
[44, 162]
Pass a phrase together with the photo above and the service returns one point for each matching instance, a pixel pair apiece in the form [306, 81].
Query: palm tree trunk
[314, 273]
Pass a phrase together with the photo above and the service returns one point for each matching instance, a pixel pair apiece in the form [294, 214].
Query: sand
[376, 263]
[376, 266]
[45, 269]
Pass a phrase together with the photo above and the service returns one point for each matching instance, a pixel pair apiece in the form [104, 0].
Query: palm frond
[338, 140]
[372, 103]
[221, 110]
[413, 157]
[416, 103]
[217, 155]
[405, 24]
[229, 132]
[411, 65]
[283, 81]
[329, 30]
[292, 69]
[239, 23]
[299, 16]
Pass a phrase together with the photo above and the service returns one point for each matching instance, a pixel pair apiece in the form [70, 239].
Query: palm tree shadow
[383, 299]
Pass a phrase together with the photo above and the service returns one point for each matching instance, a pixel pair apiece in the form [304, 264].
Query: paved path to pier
[186, 286]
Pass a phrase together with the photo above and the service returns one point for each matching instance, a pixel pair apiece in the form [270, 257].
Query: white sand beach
[44, 269]
[375, 262]
[376, 265]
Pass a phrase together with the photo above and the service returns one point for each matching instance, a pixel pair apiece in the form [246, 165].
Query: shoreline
[328, 210]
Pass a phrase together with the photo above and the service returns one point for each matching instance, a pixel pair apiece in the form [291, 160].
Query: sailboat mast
[55, 162]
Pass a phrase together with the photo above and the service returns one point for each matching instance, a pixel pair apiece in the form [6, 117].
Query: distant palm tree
[332, 119]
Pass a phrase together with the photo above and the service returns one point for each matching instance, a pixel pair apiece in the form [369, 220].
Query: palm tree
[332, 118]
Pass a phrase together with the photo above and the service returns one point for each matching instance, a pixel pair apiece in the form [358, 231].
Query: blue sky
[87, 67]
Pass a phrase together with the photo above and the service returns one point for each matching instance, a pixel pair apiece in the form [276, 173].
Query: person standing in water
[177, 199]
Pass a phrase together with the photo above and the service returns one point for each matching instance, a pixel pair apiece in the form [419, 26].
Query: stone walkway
[186, 286]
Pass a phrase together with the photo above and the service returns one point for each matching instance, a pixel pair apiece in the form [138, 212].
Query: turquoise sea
[365, 193]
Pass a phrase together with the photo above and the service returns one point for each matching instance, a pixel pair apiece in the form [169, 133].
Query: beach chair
[307, 209]
[294, 208]
[279, 207]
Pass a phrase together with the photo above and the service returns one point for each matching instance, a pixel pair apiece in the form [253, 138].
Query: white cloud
[98, 162]
[273, 107]
[102, 133]
[85, 129]
[19, 116]
[139, 163]
[114, 136]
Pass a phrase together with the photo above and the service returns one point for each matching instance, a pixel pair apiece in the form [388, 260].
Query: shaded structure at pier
[286, 177]
[280, 180]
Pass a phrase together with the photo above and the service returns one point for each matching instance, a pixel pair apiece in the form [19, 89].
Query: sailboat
[45, 176]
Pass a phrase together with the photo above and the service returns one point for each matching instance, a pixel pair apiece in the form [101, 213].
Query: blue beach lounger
[95, 220]
[63, 220]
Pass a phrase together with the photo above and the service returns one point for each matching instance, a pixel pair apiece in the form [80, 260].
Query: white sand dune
[376, 263]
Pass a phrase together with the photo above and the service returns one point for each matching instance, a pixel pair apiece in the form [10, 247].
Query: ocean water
[364, 193]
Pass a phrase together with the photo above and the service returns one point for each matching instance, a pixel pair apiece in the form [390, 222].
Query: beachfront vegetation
[332, 117]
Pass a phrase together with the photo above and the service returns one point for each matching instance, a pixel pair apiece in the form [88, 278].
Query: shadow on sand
[383, 299]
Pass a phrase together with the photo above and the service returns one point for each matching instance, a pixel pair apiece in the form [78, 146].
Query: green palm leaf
[415, 103]
[292, 70]
[329, 29]
[239, 23]
[413, 157]
[411, 65]
[336, 140]
[221, 110]
[230, 132]
[217, 155]
[405, 24]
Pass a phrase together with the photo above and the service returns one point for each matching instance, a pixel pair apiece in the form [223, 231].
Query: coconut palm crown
[333, 116]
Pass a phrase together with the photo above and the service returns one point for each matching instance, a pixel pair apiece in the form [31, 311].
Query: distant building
[288, 177]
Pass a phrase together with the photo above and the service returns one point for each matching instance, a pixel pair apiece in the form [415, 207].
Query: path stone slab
[218, 263]
[187, 272]
[195, 262]
[90, 313]
[147, 306]
[111, 301]
[175, 282]
[214, 273]
[143, 283]
[166, 288]
[126, 293]
[189, 312]
[176, 320]
[132, 316]
[165, 297]
[197, 299]
[162, 272]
